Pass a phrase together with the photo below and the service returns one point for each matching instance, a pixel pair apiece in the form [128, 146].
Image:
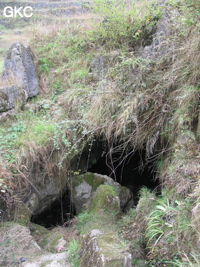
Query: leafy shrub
[124, 23]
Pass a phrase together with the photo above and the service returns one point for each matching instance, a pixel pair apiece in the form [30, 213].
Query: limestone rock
[83, 192]
[19, 69]
[19, 243]
[103, 248]
[85, 185]
[160, 44]
[11, 96]
[50, 260]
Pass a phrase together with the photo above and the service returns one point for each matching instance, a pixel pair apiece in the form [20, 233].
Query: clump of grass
[40, 132]
[133, 224]
[72, 251]
[83, 219]
[169, 231]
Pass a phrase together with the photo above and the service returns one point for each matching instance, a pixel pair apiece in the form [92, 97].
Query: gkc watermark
[13, 12]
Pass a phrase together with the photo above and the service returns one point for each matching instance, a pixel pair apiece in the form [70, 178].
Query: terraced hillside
[48, 12]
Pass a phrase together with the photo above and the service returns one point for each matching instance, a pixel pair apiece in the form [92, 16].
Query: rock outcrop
[19, 69]
[20, 80]
[100, 64]
[160, 45]
[19, 242]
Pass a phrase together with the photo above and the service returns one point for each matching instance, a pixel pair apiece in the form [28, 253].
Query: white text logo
[13, 12]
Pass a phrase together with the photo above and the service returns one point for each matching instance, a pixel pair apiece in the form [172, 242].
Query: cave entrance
[59, 213]
[128, 169]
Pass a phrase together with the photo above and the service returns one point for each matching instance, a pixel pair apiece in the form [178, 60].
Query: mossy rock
[54, 239]
[93, 179]
[104, 248]
[85, 185]
[106, 199]
[50, 240]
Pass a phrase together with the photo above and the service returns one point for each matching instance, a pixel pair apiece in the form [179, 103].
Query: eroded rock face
[11, 96]
[19, 69]
[85, 185]
[160, 45]
[103, 248]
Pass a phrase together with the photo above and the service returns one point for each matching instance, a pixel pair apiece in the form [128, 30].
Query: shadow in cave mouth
[60, 213]
[127, 170]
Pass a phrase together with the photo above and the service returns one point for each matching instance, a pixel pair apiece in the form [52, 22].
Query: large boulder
[85, 185]
[104, 248]
[19, 69]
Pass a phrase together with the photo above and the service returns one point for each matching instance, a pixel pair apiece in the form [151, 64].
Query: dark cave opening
[128, 169]
[59, 213]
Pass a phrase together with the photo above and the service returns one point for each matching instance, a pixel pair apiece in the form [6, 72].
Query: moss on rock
[106, 198]
[104, 248]
[94, 180]
[85, 185]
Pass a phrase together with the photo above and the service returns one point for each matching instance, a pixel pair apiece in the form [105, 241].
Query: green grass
[8, 137]
[169, 224]
[38, 132]
[102, 220]
[84, 218]
[26, 131]
[73, 250]
[79, 75]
